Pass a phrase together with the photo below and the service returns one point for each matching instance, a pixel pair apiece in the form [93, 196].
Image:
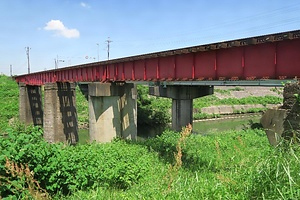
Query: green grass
[227, 92]
[221, 165]
[82, 108]
[9, 108]
[212, 100]
[228, 165]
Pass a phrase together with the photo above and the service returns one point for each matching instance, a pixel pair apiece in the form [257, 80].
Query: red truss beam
[275, 56]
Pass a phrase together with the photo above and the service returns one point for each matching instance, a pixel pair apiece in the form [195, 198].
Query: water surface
[203, 127]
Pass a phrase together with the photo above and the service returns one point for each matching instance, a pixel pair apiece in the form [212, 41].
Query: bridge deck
[274, 56]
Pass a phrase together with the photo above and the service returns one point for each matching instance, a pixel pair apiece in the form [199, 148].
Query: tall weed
[277, 176]
[19, 181]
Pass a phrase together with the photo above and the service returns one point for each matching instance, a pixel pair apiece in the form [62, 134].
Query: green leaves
[9, 94]
[152, 111]
[63, 169]
[233, 164]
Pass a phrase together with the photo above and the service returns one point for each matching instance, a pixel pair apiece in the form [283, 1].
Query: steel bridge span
[181, 74]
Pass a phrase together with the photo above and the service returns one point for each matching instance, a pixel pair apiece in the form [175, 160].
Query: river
[203, 127]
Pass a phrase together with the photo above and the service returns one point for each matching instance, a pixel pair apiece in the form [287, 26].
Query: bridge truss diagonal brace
[182, 101]
[112, 111]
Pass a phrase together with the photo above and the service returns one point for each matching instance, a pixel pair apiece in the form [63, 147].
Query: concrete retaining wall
[231, 109]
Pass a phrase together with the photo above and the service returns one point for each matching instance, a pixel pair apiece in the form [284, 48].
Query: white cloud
[82, 4]
[60, 30]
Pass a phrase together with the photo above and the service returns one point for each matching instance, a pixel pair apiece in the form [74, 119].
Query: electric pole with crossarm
[108, 44]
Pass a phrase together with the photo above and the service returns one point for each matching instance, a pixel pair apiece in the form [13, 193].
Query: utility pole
[11, 74]
[27, 53]
[108, 43]
[98, 51]
[57, 61]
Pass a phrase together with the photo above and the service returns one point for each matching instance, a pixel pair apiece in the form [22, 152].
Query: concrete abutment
[284, 122]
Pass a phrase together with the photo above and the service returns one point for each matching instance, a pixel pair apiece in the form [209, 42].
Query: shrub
[62, 169]
[152, 111]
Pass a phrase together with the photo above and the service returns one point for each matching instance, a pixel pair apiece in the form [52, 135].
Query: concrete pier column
[182, 101]
[182, 113]
[60, 116]
[112, 111]
[30, 104]
[129, 111]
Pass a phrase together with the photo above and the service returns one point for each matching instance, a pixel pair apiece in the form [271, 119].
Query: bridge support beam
[112, 111]
[30, 104]
[60, 116]
[182, 101]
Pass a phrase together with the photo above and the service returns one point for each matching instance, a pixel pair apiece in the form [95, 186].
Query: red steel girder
[273, 56]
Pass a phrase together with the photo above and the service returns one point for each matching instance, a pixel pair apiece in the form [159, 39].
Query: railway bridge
[181, 74]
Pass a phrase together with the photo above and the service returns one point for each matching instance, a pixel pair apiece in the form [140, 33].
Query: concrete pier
[182, 113]
[112, 111]
[60, 116]
[30, 104]
[182, 101]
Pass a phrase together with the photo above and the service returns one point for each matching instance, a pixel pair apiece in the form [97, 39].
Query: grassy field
[9, 106]
[220, 165]
[226, 165]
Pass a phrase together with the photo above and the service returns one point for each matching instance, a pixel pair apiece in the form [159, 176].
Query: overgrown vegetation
[213, 100]
[152, 111]
[230, 165]
[82, 109]
[61, 169]
[10, 105]
[223, 165]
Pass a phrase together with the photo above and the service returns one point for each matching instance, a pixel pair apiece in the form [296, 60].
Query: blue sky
[70, 30]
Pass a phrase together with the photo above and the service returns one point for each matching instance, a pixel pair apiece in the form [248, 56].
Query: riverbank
[235, 164]
[236, 109]
[230, 116]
